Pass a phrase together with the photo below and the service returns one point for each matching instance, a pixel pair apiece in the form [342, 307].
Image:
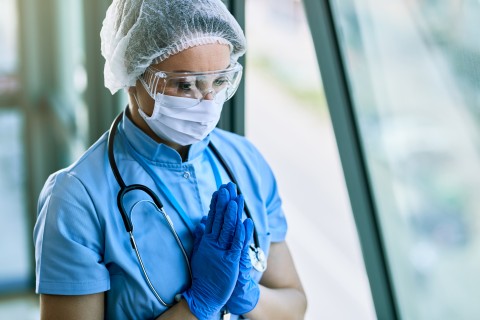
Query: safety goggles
[217, 85]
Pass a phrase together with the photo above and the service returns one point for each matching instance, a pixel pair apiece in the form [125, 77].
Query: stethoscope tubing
[258, 260]
[124, 189]
[230, 174]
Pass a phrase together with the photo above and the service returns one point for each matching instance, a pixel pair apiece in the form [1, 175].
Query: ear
[132, 95]
[132, 90]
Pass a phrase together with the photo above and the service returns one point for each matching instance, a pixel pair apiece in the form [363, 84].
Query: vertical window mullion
[325, 37]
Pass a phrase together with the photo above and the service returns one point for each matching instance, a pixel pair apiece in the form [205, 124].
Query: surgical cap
[138, 33]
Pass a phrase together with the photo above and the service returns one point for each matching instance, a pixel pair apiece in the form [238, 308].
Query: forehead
[202, 58]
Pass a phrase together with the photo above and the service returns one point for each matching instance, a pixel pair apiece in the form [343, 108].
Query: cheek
[141, 99]
[146, 103]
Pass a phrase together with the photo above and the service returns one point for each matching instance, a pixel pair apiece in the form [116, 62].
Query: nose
[209, 95]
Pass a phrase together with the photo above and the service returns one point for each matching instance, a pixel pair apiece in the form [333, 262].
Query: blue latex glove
[198, 234]
[215, 263]
[200, 228]
[246, 293]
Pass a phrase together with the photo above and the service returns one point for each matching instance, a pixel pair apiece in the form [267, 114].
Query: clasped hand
[220, 262]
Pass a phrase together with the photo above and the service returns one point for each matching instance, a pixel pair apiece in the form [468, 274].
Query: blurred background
[413, 73]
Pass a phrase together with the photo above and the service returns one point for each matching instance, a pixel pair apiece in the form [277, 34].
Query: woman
[177, 60]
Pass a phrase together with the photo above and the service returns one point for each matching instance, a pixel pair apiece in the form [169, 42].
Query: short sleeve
[252, 170]
[277, 223]
[68, 240]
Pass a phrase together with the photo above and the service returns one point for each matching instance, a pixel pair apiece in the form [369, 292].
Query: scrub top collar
[154, 151]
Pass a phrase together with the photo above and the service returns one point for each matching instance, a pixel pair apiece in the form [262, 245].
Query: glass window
[8, 46]
[414, 71]
[15, 238]
[288, 120]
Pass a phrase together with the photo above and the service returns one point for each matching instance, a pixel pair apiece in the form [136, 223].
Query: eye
[185, 86]
[219, 82]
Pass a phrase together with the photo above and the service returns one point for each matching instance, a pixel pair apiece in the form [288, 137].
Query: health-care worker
[147, 224]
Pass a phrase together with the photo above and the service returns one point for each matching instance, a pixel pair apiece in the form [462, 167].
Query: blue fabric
[81, 246]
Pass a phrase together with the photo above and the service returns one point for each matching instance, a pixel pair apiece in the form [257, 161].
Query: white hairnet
[138, 33]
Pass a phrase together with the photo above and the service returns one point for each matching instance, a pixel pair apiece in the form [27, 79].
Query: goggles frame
[155, 81]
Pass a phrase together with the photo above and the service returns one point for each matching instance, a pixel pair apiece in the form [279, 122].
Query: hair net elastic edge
[181, 46]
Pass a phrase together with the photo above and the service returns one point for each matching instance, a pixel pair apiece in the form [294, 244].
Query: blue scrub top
[81, 246]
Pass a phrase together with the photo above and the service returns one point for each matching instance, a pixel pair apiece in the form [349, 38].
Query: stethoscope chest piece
[258, 258]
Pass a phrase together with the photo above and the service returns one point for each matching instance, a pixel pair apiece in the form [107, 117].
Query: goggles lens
[217, 85]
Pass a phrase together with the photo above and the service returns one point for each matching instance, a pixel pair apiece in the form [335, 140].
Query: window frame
[345, 124]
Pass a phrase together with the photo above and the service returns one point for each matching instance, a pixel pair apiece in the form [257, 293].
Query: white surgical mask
[174, 120]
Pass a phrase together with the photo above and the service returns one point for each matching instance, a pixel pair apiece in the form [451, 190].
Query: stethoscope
[257, 255]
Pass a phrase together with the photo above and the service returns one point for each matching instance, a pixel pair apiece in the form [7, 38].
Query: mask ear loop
[138, 103]
[146, 87]
[140, 109]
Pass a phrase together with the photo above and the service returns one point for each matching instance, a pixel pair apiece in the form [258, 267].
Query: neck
[134, 115]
